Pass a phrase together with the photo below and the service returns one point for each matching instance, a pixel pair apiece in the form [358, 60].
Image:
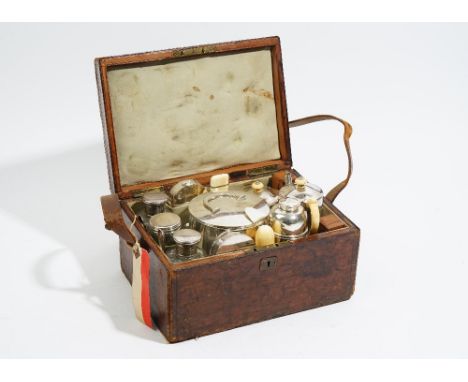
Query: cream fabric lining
[191, 116]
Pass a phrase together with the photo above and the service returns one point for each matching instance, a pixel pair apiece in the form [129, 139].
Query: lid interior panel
[178, 117]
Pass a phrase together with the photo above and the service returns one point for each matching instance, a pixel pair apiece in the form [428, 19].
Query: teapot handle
[348, 130]
[314, 215]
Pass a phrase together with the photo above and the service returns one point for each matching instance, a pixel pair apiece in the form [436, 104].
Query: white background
[403, 87]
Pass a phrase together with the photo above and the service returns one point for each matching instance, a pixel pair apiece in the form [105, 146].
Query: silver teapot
[288, 220]
[214, 213]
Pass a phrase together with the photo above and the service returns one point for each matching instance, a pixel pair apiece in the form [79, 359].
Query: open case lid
[193, 112]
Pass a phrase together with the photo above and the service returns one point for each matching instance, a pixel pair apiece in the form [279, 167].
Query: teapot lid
[228, 210]
[289, 204]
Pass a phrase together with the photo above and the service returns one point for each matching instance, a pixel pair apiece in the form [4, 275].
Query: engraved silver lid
[165, 221]
[232, 209]
[186, 236]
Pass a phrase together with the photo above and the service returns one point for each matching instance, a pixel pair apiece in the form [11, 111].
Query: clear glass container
[155, 202]
[187, 243]
[302, 191]
[163, 226]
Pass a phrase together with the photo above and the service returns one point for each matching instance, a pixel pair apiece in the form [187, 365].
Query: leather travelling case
[190, 113]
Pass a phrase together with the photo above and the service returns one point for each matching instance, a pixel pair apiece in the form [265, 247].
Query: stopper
[257, 186]
[264, 236]
[300, 182]
[220, 180]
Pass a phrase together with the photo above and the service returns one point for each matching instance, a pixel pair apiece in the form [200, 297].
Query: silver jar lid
[232, 209]
[155, 197]
[165, 221]
[289, 204]
[186, 236]
[185, 190]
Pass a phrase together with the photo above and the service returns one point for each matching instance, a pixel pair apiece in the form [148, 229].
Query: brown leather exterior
[193, 299]
[348, 130]
[330, 222]
[113, 218]
[228, 294]
[217, 293]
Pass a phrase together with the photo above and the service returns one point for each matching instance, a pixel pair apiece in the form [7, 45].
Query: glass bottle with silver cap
[186, 241]
[181, 194]
[155, 202]
[311, 197]
[163, 226]
[302, 190]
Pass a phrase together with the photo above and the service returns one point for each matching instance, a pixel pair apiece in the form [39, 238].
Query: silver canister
[184, 191]
[163, 226]
[186, 241]
[155, 202]
[213, 213]
[289, 220]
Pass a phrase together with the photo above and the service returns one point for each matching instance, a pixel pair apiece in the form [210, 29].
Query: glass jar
[302, 191]
[163, 226]
[155, 202]
[187, 241]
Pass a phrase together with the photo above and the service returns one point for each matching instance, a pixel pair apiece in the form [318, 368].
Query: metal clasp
[197, 50]
[268, 263]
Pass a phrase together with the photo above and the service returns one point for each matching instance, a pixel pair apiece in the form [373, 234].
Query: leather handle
[114, 219]
[348, 130]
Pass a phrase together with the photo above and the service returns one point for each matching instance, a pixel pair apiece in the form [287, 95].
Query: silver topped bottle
[155, 202]
[163, 226]
[311, 197]
[186, 241]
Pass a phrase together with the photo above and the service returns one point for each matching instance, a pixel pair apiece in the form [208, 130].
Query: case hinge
[260, 171]
[197, 50]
